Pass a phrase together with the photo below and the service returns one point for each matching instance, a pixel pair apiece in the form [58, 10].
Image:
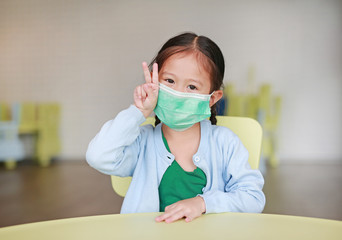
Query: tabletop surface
[208, 226]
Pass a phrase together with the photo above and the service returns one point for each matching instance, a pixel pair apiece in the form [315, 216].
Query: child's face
[183, 73]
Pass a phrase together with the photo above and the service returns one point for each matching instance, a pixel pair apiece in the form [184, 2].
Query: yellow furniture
[39, 120]
[48, 141]
[248, 130]
[26, 116]
[262, 106]
[5, 112]
[268, 116]
[42, 120]
[209, 226]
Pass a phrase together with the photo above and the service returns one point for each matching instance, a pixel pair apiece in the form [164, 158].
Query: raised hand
[189, 209]
[146, 95]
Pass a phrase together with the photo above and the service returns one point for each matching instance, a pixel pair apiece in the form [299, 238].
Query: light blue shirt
[124, 148]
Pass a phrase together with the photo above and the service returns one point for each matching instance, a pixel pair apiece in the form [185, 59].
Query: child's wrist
[146, 113]
[202, 202]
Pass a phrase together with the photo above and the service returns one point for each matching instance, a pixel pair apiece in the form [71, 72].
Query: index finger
[155, 78]
[162, 217]
[147, 73]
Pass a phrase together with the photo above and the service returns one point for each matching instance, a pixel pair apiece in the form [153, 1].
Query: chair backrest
[248, 130]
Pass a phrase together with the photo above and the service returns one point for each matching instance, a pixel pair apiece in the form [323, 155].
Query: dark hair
[207, 52]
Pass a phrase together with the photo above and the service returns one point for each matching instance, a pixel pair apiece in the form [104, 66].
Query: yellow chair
[268, 116]
[48, 142]
[5, 112]
[26, 116]
[248, 130]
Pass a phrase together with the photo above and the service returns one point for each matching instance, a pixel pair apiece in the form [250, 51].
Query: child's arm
[115, 149]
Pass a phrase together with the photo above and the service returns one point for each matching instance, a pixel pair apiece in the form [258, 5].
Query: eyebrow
[168, 73]
[195, 80]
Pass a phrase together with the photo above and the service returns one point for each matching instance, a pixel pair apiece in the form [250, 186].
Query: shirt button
[197, 158]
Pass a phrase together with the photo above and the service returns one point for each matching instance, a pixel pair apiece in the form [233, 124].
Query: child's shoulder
[225, 138]
[221, 130]
[223, 134]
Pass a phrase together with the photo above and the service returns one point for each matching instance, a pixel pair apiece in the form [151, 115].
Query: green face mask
[179, 110]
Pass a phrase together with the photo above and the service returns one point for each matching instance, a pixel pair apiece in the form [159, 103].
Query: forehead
[190, 63]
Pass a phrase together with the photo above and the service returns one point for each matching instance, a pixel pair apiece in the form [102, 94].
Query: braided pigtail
[213, 119]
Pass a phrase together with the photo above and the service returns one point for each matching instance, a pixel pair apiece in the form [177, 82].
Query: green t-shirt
[178, 184]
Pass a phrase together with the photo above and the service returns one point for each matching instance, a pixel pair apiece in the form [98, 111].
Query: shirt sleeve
[114, 150]
[243, 185]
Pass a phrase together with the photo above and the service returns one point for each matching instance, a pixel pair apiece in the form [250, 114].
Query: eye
[169, 81]
[192, 87]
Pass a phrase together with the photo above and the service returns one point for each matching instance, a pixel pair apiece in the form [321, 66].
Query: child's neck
[187, 134]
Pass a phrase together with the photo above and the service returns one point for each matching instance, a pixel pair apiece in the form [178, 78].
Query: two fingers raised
[147, 74]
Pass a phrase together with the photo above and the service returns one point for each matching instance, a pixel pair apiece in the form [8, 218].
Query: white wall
[87, 55]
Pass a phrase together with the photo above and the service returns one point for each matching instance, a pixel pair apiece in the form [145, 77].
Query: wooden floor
[73, 189]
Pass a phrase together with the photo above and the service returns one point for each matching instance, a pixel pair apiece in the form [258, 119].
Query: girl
[186, 165]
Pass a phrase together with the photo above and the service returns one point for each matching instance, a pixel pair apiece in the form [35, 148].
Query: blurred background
[71, 65]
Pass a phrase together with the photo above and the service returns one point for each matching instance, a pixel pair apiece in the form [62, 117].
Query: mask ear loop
[211, 95]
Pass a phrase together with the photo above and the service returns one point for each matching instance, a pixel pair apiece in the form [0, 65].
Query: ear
[217, 95]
